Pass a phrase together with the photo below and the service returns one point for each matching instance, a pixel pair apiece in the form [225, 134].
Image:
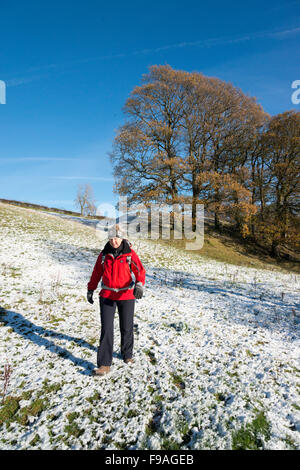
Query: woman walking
[115, 265]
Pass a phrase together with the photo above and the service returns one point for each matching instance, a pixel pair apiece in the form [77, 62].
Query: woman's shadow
[38, 334]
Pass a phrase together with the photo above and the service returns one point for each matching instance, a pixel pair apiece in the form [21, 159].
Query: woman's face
[115, 242]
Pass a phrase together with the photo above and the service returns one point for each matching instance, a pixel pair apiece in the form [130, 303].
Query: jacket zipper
[114, 259]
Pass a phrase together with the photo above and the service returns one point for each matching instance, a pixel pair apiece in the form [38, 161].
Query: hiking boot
[129, 361]
[103, 370]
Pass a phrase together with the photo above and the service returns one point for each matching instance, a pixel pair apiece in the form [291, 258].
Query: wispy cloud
[40, 159]
[202, 43]
[209, 42]
[94, 178]
[224, 40]
[287, 32]
[23, 80]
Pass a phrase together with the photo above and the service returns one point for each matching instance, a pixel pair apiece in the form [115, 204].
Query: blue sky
[69, 67]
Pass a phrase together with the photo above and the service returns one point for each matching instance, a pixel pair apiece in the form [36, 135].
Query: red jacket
[115, 273]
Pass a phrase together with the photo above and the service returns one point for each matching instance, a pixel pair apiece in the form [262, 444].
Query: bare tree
[85, 200]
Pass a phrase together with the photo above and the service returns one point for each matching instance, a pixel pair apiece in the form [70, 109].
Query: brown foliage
[197, 139]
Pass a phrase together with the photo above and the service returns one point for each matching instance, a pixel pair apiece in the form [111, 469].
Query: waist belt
[131, 286]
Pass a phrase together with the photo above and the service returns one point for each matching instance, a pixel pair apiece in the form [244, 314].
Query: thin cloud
[94, 178]
[224, 40]
[23, 80]
[287, 32]
[40, 159]
[204, 43]
[199, 43]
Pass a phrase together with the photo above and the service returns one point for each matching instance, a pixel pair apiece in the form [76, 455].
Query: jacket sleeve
[96, 274]
[137, 268]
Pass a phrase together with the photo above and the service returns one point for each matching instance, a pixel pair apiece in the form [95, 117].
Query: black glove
[138, 290]
[89, 296]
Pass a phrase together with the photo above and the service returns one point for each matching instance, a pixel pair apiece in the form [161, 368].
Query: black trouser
[107, 314]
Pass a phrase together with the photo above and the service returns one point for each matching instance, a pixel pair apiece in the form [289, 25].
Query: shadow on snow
[38, 335]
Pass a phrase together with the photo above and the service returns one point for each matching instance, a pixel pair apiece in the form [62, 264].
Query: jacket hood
[126, 248]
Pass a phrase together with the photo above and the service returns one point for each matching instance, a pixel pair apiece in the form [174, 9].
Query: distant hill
[30, 205]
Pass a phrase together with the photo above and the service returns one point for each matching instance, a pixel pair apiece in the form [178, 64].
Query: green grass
[11, 411]
[94, 398]
[9, 408]
[250, 436]
[48, 387]
[150, 428]
[151, 356]
[73, 430]
[168, 443]
[178, 381]
[227, 249]
[72, 416]
[34, 409]
[132, 413]
[35, 440]
[292, 445]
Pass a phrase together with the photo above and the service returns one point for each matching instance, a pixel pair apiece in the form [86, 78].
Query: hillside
[28, 205]
[220, 245]
[216, 348]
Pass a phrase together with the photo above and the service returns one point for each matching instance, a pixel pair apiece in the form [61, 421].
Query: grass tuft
[250, 436]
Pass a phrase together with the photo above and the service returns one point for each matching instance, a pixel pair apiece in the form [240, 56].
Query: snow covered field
[216, 348]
